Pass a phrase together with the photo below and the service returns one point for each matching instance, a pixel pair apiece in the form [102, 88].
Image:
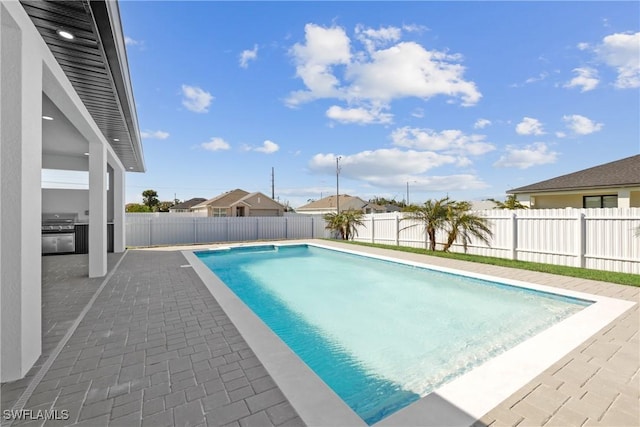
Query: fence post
[312, 227]
[150, 219]
[581, 234]
[397, 230]
[286, 228]
[514, 236]
[195, 231]
[258, 228]
[373, 230]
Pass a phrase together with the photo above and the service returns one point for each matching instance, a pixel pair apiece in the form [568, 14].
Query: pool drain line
[24, 397]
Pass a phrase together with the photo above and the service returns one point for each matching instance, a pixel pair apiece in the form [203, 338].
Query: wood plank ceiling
[85, 61]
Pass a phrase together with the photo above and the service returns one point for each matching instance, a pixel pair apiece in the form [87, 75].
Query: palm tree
[511, 202]
[352, 219]
[334, 223]
[433, 215]
[464, 224]
[345, 223]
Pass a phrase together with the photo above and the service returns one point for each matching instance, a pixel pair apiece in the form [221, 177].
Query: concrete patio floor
[155, 348]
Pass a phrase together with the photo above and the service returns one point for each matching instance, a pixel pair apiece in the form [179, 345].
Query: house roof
[95, 62]
[329, 202]
[224, 200]
[189, 203]
[620, 173]
[231, 198]
[249, 196]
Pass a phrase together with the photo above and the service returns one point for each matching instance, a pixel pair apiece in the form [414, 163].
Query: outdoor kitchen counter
[82, 237]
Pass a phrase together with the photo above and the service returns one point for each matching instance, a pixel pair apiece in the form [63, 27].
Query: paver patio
[156, 349]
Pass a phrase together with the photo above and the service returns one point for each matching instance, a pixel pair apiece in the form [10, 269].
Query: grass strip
[582, 273]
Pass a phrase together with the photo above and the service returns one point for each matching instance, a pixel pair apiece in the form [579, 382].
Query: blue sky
[467, 99]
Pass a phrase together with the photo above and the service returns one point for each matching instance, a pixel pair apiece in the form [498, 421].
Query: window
[218, 212]
[609, 201]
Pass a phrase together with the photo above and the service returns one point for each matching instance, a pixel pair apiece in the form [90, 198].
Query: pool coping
[459, 402]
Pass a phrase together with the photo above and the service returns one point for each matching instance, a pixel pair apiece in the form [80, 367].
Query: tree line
[150, 203]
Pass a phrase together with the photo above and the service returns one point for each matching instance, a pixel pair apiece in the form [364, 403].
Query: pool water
[382, 334]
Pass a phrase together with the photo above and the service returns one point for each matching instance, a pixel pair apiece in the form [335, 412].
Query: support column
[97, 209]
[119, 218]
[21, 199]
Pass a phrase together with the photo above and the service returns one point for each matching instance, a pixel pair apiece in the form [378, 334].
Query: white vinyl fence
[601, 239]
[151, 229]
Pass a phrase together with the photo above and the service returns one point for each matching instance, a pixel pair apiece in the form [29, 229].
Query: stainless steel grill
[58, 233]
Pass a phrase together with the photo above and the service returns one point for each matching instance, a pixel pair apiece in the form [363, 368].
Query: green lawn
[583, 273]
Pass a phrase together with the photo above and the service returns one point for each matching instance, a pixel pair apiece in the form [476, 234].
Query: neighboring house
[240, 203]
[481, 205]
[329, 205]
[186, 206]
[67, 106]
[614, 184]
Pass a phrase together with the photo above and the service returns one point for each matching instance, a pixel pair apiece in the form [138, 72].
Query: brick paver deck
[156, 349]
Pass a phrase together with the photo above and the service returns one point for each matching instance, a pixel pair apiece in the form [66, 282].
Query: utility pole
[273, 193]
[407, 193]
[338, 184]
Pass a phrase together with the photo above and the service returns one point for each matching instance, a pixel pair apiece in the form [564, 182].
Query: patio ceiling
[95, 63]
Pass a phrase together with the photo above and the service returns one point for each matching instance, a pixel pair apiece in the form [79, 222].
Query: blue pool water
[382, 334]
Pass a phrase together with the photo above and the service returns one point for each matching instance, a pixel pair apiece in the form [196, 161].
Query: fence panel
[612, 242]
[549, 236]
[603, 239]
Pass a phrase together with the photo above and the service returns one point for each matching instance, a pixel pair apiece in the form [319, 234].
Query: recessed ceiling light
[86, 154]
[130, 167]
[116, 139]
[66, 35]
[47, 118]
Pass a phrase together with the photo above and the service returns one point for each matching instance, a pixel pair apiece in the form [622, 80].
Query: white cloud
[523, 158]
[537, 78]
[388, 168]
[323, 49]
[586, 79]
[195, 99]
[583, 46]
[268, 147]
[622, 52]
[358, 115]
[128, 41]
[561, 134]
[376, 75]
[418, 113]
[481, 123]
[158, 134]
[216, 144]
[529, 126]
[373, 39]
[581, 125]
[248, 55]
[450, 141]
[382, 162]
[409, 70]
[414, 28]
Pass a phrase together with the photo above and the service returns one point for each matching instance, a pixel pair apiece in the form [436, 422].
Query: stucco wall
[558, 201]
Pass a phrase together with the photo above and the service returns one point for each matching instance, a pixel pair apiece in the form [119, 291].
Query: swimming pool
[382, 334]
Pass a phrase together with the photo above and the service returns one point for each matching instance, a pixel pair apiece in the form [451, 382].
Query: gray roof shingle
[620, 173]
